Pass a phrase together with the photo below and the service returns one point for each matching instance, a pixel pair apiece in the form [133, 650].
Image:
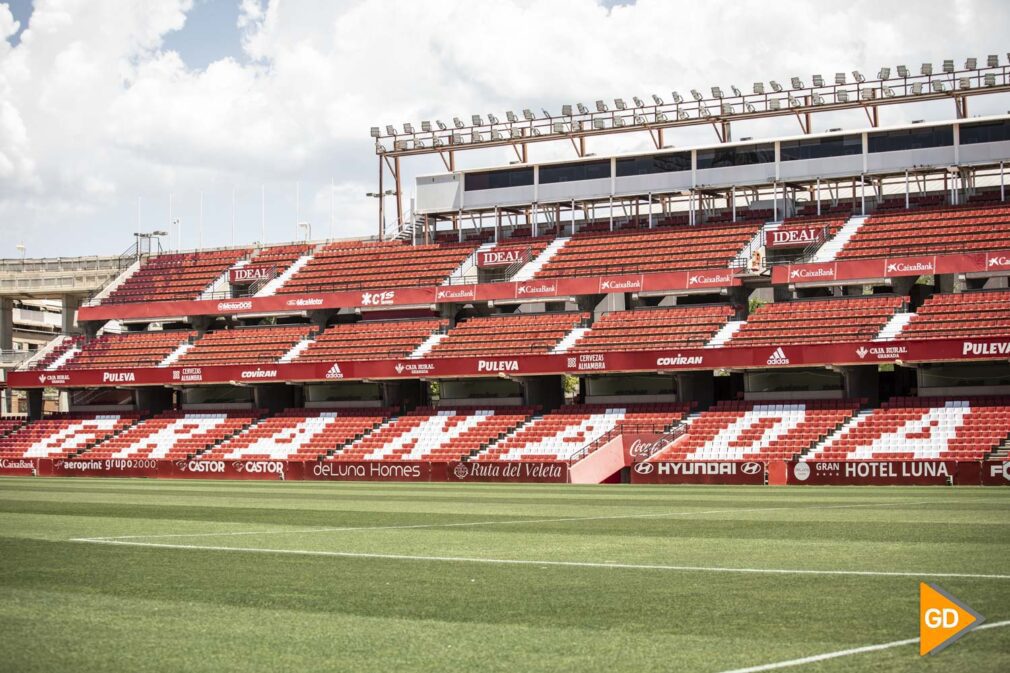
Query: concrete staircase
[894, 327]
[466, 272]
[533, 267]
[834, 245]
[275, 284]
[569, 340]
[725, 333]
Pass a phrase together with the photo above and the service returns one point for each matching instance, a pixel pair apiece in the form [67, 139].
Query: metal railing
[670, 430]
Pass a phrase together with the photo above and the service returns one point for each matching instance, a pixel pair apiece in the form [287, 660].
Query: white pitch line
[528, 562]
[845, 653]
[498, 522]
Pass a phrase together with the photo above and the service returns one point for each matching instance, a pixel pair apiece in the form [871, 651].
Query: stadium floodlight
[390, 131]
[818, 81]
[705, 112]
[992, 61]
[682, 115]
[457, 122]
[496, 135]
[437, 142]
[727, 109]
[990, 79]
[736, 91]
[601, 106]
[858, 76]
[426, 127]
[917, 88]
[374, 132]
[938, 87]
[441, 125]
[491, 119]
[866, 94]
[566, 110]
[511, 116]
[971, 63]
[948, 65]
[716, 92]
[796, 82]
[638, 101]
[583, 110]
[926, 69]
[749, 107]
[661, 117]
[639, 119]
[775, 104]
[759, 88]
[514, 133]
[839, 78]
[559, 127]
[597, 123]
[419, 144]
[884, 73]
[620, 104]
[902, 72]
[964, 82]
[818, 99]
[695, 94]
[476, 120]
[400, 145]
[475, 137]
[528, 114]
[457, 138]
[657, 100]
[888, 92]
[536, 131]
[618, 122]
[677, 98]
[776, 87]
[408, 127]
[842, 96]
[379, 147]
[794, 101]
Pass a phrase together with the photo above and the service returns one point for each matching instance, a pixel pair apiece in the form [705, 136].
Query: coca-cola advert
[375, 470]
[642, 444]
[873, 472]
[698, 472]
[247, 275]
[509, 471]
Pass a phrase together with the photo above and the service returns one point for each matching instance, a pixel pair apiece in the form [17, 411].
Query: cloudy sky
[110, 108]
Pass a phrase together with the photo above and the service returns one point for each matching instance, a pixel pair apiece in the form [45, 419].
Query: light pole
[307, 226]
[148, 236]
[20, 247]
[382, 209]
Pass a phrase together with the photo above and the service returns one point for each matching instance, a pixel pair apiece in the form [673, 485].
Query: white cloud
[95, 113]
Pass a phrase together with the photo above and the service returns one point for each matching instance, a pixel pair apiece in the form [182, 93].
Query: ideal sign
[793, 238]
[247, 275]
[504, 257]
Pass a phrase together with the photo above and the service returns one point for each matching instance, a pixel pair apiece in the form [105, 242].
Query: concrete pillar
[546, 392]
[698, 387]
[35, 404]
[863, 381]
[7, 341]
[944, 283]
[71, 303]
[153, 401]
[738, 297]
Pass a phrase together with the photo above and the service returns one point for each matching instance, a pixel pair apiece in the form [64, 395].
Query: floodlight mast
[577, 122]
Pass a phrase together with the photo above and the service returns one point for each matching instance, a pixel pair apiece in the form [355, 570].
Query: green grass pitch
[382, 580]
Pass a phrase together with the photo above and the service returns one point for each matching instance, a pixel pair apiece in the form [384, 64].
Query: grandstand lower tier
[591, 443]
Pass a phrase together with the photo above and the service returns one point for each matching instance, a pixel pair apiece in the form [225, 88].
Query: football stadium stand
[247, 345]
[817, 320]
[508, 334]
[757, 431]
[916, 428]
[175, 276]
[129, 349]
[649, 329]
[175, 435]
[370, 340]
[62, 435]
[968, 314]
